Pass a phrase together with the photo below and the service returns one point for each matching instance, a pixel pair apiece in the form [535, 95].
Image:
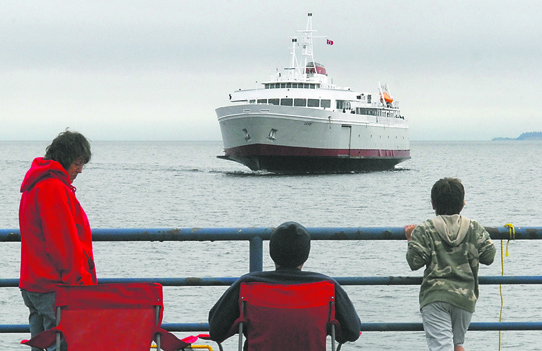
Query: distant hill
[525, 136]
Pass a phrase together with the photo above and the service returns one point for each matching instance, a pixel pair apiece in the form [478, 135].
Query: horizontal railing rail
[264, 233]
[255, 237]
[227, 281]
[365, 327]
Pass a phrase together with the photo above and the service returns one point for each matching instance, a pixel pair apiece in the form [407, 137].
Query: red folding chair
[287, 317]
[123, 316]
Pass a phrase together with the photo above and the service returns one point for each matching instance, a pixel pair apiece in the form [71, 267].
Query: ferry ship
[300, 122]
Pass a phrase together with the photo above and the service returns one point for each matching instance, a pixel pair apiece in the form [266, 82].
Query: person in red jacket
[56, 241]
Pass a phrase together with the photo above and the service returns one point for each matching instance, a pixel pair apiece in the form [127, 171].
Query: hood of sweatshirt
[41, 169]
[451, 228]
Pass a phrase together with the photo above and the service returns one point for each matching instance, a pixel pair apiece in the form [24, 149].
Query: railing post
[256, 254]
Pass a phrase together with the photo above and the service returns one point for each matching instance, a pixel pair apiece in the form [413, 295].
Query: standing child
[451, 247]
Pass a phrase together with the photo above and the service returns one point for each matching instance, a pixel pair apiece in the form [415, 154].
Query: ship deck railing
[255, 236]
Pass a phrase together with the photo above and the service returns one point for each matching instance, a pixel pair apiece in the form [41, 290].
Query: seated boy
[289, 248]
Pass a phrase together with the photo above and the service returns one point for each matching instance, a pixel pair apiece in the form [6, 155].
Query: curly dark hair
[67, 147]
[448, 196]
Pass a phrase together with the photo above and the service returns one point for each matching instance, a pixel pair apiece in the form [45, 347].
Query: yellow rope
[511, 236]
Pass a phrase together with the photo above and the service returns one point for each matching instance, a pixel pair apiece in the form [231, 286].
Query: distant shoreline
[524, 136]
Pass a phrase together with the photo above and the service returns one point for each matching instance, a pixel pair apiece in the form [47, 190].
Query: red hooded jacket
[56, 241]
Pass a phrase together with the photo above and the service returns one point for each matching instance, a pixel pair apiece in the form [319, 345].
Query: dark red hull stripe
[277, 150]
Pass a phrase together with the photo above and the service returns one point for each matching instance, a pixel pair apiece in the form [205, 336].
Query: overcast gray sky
[156, 70]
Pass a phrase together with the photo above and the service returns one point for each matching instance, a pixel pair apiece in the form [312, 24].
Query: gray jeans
[42, 314]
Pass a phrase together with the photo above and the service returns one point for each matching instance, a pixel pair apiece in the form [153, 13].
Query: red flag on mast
[329, 42]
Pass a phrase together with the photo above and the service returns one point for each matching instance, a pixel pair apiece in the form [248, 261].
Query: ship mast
[293, 70]
[297, 72]
[307, 43]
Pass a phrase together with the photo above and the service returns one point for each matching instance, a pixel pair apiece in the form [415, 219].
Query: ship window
[272, 134]
[313, 86]
[270, 86]
[300, 102]
[366, 111]
[262, 101]
[369, 98]
[313, 103]
[266, 86]
[306, 86]
[247, 136]
[326, 103]
[251, 101]
[343, 104]
[273, 101]
[288, 85]
[283, 85]
[286, 102]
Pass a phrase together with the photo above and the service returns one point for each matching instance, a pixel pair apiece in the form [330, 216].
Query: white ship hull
[293, 139]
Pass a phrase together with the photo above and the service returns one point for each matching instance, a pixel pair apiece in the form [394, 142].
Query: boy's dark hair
[68, 147]
[448, 196]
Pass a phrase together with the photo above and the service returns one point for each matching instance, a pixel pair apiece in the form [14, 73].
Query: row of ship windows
[291, 85]
[326, 103]
[377, 112]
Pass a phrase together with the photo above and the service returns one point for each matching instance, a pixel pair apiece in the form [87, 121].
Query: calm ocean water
[183, 184]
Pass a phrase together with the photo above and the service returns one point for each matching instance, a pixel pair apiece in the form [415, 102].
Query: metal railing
[256, 236]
